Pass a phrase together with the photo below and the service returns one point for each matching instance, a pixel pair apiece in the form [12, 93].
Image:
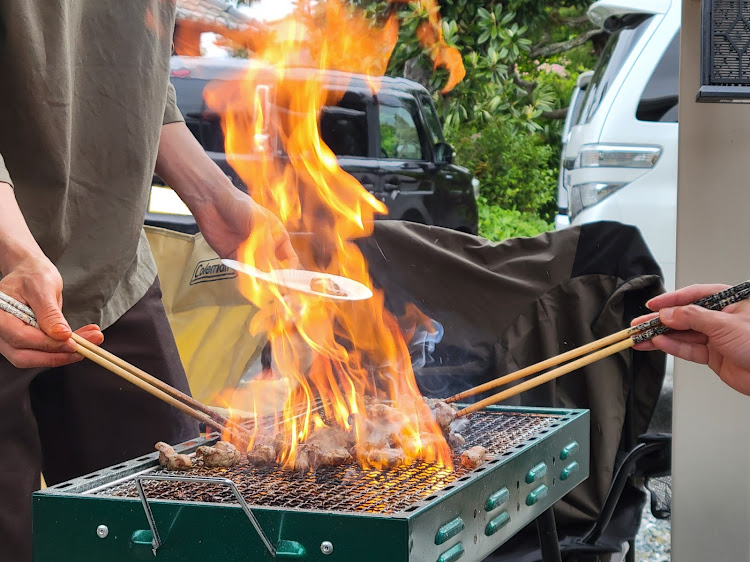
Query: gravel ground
[653, 541]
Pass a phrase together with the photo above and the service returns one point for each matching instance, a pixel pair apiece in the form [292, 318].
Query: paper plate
[305, 281]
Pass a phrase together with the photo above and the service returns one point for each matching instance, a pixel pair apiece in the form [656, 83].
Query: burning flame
[336, 354]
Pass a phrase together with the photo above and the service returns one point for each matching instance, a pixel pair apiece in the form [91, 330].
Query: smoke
[422, 344]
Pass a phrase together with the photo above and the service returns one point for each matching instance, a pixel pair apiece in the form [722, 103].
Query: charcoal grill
[138, 510]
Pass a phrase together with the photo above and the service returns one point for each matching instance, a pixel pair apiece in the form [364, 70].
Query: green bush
[516, 169]
[498, 224]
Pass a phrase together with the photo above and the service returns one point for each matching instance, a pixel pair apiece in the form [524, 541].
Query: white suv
[619, 158]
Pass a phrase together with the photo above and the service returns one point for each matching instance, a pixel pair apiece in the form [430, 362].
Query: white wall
[711, 456]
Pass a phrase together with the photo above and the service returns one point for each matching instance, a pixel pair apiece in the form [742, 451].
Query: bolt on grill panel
[347, 488]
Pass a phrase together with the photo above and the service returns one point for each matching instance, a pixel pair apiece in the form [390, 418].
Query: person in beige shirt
[86, 116]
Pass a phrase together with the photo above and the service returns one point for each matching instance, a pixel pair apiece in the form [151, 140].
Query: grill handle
[284, 549]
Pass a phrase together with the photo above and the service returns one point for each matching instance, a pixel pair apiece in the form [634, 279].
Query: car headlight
[617, 156]
[589, 193]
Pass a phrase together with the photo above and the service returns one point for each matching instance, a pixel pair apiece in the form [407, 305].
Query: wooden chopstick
[548, 376]
[106, 359]
[546, 364]
[601, 348]
[134, 375]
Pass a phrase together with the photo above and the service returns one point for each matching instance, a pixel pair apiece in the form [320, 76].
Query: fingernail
[70, 346]
[60, 328]
[666, 314]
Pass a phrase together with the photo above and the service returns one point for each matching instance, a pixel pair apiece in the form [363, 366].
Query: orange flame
[335, 355]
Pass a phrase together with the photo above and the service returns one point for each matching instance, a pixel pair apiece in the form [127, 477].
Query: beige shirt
[84, 90]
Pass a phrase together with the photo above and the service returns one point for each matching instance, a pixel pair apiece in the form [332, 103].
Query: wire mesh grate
[346, 488]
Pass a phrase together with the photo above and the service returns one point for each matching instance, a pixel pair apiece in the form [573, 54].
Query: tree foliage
[503, 44]
[522, 59]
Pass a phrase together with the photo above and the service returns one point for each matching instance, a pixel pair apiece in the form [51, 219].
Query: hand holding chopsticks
[596, 350]
[133, 374]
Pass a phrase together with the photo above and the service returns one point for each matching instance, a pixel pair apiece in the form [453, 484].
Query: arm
[28, 276]
[224, 214]
[719, 339]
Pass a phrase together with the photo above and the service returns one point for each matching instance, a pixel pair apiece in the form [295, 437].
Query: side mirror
[443, 153]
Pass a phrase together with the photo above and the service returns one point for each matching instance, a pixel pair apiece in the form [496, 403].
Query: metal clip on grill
[283, 549]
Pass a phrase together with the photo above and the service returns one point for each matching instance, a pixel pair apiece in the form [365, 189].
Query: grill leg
[548, 541]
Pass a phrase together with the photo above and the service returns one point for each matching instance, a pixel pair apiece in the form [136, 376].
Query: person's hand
[719, 339]
[232, 217]
[36, 283]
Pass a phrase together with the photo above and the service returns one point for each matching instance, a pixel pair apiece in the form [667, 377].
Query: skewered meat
[474, 457]
[168, 457]
[222, 454]
[327, 287]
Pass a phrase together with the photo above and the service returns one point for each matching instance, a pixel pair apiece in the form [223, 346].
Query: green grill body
[339, 515]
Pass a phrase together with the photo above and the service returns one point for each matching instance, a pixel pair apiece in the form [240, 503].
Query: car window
[399, 136]
[433, 121]
[615, 53]
[661, 94]
[343, 127]
[206, 127]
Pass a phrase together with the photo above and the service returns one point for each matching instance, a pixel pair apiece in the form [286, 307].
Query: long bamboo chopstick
[133, 374]
[542, 365]
[153, 381]
[601, 348]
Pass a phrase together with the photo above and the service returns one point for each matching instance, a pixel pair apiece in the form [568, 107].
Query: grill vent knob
[326, 547]
[102, 531]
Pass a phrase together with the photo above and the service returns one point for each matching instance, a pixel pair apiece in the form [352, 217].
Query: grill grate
[345, 488]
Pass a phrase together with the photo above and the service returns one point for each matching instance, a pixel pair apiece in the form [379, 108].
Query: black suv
[390, 141]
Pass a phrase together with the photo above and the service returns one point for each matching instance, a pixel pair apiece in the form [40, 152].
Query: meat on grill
[443, 413]
[222, 454]
[262, 454]
[455, 440]
[311, 456]
[169, 458]
[330, 437]
[378, 431]
[266, 450]
[473, 457]
[383, 458]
